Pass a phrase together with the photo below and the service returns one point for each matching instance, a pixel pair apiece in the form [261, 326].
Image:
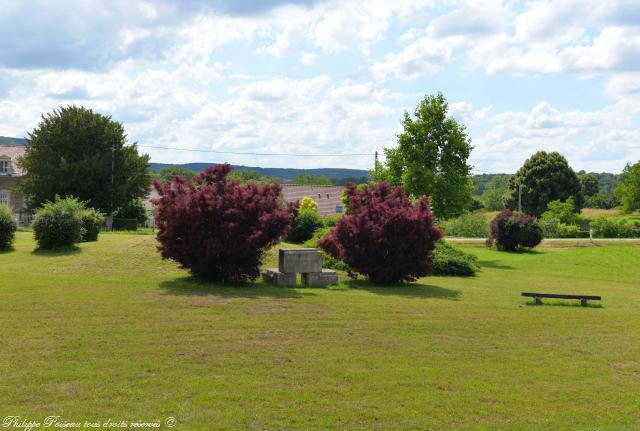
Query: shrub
[8, 227]
[470, 225]
[450, 260]
[512, 231]
[331, 221]
[58, 223]
[124, 224]
[554, 228]
[386, 237]
[218, 228]
[609, 227]
[564, 212]
[92, 221]
[328, 261]
[308, 204]
[303, 223]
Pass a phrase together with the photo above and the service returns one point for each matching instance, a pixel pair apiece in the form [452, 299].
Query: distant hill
[12, 142]
[281, 174]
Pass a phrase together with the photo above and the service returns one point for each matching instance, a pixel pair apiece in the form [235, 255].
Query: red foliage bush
[218, 228]
[385, 236]
[513, 230]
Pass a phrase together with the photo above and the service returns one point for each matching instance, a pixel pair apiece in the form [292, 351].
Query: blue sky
[332, 77]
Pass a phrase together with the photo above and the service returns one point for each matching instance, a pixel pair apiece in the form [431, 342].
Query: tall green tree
[431, 158]
[76, 152]
[588, 184]
[628, 190]
[544, 177]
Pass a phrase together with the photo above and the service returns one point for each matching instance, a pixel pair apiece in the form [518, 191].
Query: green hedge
[609, 227]
[124, 224]
[470, 225]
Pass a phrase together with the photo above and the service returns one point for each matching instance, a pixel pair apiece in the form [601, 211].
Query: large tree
[431, 158]
[75, 151]
[543, 178]
[588, 184]
[628, 190]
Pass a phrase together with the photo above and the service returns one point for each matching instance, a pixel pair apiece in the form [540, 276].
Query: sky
[331, 77]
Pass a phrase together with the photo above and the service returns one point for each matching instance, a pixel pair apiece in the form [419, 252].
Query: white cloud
[424, 56]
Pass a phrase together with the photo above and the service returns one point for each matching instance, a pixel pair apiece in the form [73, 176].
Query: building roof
[13, 153]
[329, 198]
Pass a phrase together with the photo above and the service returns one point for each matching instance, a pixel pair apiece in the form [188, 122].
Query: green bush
[92, 221]
[331, 221]
[124, 224]
[450, 260]
[554, 228]
[564, 212]
[609, 227]
[470, 225]
[328, 261]
[58, 223]
[8, 227]
[303, 226]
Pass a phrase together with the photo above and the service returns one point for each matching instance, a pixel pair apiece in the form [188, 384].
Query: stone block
[319, 279]
[277, 278]
[293, 260]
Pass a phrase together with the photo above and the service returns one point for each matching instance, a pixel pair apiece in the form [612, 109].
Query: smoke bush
[218, 228]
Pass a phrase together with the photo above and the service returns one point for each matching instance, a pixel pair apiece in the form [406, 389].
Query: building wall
[16, 202]
[329, 198]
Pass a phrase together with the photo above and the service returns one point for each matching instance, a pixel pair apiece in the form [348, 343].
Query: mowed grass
[111, 331]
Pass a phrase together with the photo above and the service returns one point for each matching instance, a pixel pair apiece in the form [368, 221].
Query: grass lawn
[111, 331]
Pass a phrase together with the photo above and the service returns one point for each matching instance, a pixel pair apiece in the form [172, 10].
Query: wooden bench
[583, 298]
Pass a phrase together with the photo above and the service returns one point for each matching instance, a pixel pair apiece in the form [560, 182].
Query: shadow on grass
[61, 251]
[564, 304]
[413, 290]
[494, 264]
[189, 286]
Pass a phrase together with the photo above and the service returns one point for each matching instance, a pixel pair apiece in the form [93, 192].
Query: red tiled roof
[13, 153]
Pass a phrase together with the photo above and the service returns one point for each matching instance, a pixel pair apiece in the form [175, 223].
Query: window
[339, 209]
[5, 197]
[4, 166]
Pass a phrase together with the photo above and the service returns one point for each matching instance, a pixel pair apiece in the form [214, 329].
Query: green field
[110, 331]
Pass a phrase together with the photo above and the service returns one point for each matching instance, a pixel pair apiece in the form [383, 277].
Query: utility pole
[520, 197]
[375, 163]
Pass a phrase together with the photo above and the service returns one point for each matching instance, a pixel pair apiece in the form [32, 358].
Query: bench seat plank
[560, 296]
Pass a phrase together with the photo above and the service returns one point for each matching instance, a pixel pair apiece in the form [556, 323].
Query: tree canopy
[628, 190]
[312, 180]
[166, 175]
[588, 184]
[247, 175]
[544, 177]
[431, 158]
[76, 152]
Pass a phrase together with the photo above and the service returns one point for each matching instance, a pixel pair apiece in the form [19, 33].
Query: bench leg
[538, 300]
[583, 302]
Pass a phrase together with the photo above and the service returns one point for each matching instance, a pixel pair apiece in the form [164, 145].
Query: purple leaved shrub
[218, 228]
[511, 231]
[385, 236]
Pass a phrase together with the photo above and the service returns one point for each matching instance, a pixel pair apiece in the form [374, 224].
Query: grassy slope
[112, 331]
